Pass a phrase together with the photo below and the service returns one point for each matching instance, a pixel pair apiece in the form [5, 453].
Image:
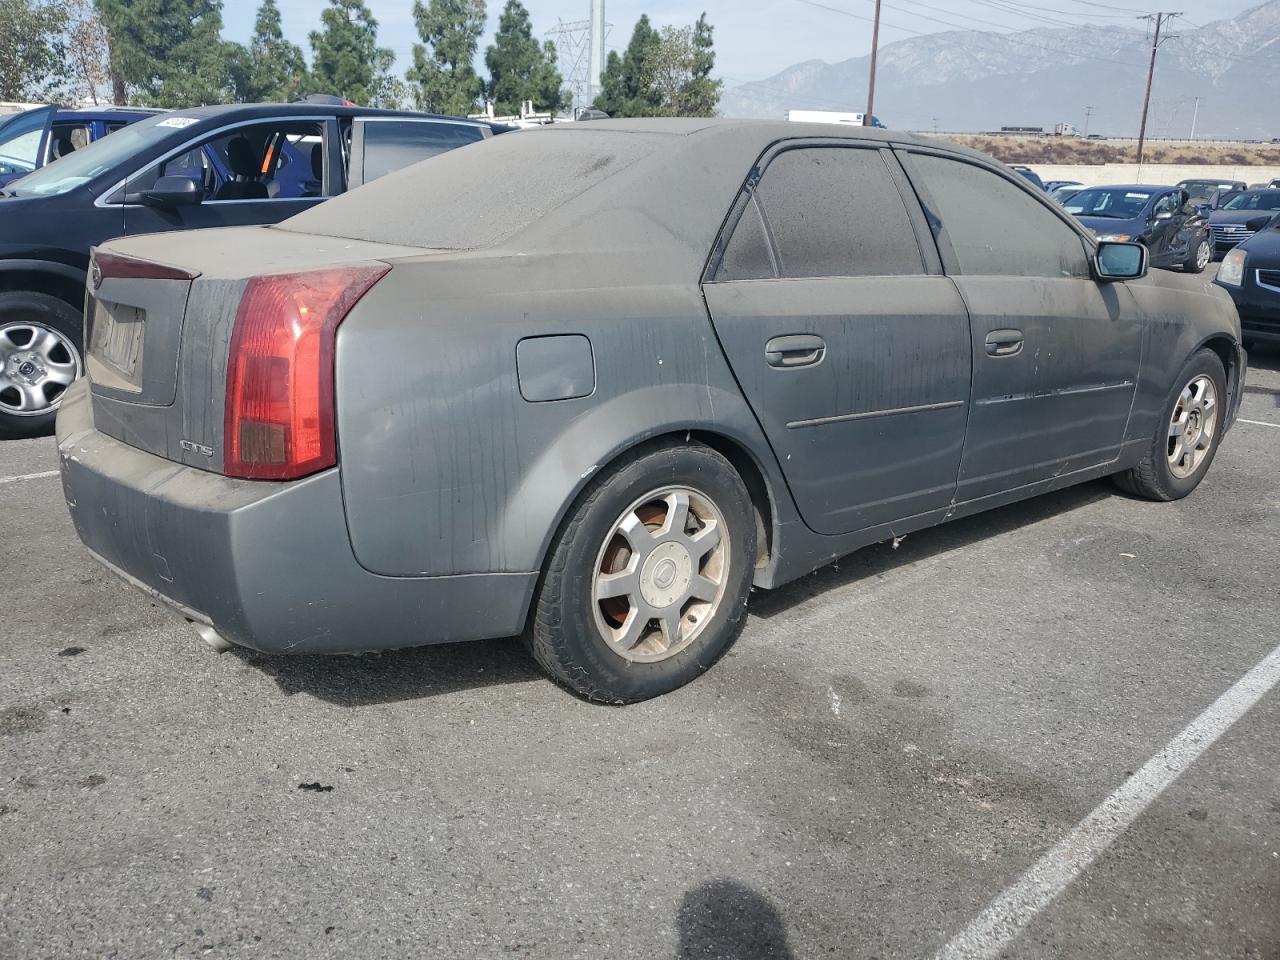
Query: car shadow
[725, 920]
[392, 676]
[882, 558]
[421, 672]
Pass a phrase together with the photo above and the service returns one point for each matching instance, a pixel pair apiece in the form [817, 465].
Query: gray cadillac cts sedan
[591, 383]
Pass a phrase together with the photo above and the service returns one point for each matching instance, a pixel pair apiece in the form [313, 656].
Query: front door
[849, 344]
[243, 173]
[1056, 354]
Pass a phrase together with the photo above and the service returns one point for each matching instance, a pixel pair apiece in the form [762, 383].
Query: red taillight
[279, 423]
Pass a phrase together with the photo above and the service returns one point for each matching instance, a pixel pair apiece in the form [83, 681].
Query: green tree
[664, 73]
[32, 49]
[442, 77]
[626, 87]
[169, 53]
[680, 71]
[519, 68]
[346, 58]
[270, 68]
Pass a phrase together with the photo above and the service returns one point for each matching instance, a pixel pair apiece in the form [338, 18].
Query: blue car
[1165, 220]
[32, 138]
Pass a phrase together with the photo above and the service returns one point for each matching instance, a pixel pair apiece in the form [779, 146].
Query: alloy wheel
[661, 573]
[37, 364]
[1204, 253]
[1192, 426]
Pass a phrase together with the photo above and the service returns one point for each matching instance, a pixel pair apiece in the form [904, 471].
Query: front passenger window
[995, 226]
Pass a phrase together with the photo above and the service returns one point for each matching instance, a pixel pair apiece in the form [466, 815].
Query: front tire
[1187, 436]
[646, 583]
[40, 356]
[1200, 258]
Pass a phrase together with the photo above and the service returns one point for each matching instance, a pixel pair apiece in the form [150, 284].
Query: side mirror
[170, 192]
[1164, 215]
[1120, 261]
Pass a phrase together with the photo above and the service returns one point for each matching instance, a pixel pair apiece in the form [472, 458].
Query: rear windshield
[479, 195]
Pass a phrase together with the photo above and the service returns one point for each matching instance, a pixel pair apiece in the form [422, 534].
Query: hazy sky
[757, 38]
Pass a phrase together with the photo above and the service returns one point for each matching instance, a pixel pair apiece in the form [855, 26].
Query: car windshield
[1256, 200]
[1117, 203]
[20, 137]
[87, 163]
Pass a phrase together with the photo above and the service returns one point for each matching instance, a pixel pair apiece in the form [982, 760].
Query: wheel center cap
[26, 368]
[666, 575]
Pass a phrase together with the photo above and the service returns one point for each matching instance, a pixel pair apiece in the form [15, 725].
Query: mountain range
[971, 80]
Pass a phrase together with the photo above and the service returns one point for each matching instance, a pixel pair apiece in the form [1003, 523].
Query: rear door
[848, 342]
[380, 145]
[1056, 354]
[1169, 242]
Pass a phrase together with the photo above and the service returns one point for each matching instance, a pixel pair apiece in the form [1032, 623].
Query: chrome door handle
[798, 350]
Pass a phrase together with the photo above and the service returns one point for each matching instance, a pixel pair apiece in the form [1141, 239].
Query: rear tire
[1200, 258]
[1187, 434]
[40, 356]
[646, 583]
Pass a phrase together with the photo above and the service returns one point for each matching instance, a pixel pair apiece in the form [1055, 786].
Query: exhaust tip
[216, 641]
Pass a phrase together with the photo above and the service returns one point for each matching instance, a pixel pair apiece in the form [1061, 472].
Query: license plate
[117, 342]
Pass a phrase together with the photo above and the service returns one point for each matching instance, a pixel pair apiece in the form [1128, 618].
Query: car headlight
[1232, 269]
[1114, 237]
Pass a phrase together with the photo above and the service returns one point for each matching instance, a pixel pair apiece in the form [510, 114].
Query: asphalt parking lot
[892, 743]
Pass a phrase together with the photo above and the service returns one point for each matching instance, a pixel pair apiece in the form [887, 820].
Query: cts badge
[194, 447]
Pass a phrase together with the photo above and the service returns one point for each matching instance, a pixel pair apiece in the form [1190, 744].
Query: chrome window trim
[100, 201]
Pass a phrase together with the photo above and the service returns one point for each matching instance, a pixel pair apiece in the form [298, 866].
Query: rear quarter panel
[446, 468]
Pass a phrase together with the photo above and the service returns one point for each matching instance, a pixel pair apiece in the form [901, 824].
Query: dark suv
[32, 138]
[205, 167]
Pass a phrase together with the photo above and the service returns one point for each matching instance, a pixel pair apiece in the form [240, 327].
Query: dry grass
[1073, 150]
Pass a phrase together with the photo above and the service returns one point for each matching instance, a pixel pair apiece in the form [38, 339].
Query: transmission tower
[576, 41]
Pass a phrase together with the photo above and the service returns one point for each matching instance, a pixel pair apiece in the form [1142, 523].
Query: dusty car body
[508, 382]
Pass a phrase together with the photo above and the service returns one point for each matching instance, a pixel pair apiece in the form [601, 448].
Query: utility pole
[871, 83]
[1088, 112]
[1160, 19]
[1194, 117]
[595, 58]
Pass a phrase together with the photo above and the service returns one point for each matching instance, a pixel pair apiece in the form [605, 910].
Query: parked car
[1064, 193]
[598, 416]
[1162, 219]
[206, 167]
[1251, 274]
[1030, 174]
[1210, 195]
[32, 138]
[1241, 218]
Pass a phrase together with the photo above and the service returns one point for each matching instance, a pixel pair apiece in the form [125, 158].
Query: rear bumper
[268, 565]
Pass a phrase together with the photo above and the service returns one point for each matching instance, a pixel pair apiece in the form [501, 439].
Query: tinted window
[1169, 204]
[392, 144]
[747, 257]
[1117, 203]
[996, 228]
[835, 212]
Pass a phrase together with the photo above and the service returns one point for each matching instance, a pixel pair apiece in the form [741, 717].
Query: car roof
[255, 111]
[104, 113]
[1134, 187]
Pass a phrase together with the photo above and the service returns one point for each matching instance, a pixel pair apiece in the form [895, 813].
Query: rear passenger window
[831, 212]
[995, 227]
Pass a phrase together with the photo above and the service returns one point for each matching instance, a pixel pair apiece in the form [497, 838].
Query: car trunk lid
[161, 312]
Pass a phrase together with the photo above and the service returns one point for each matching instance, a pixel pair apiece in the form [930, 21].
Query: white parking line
[1011, 912]
[28, 476]
[1257, 423]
